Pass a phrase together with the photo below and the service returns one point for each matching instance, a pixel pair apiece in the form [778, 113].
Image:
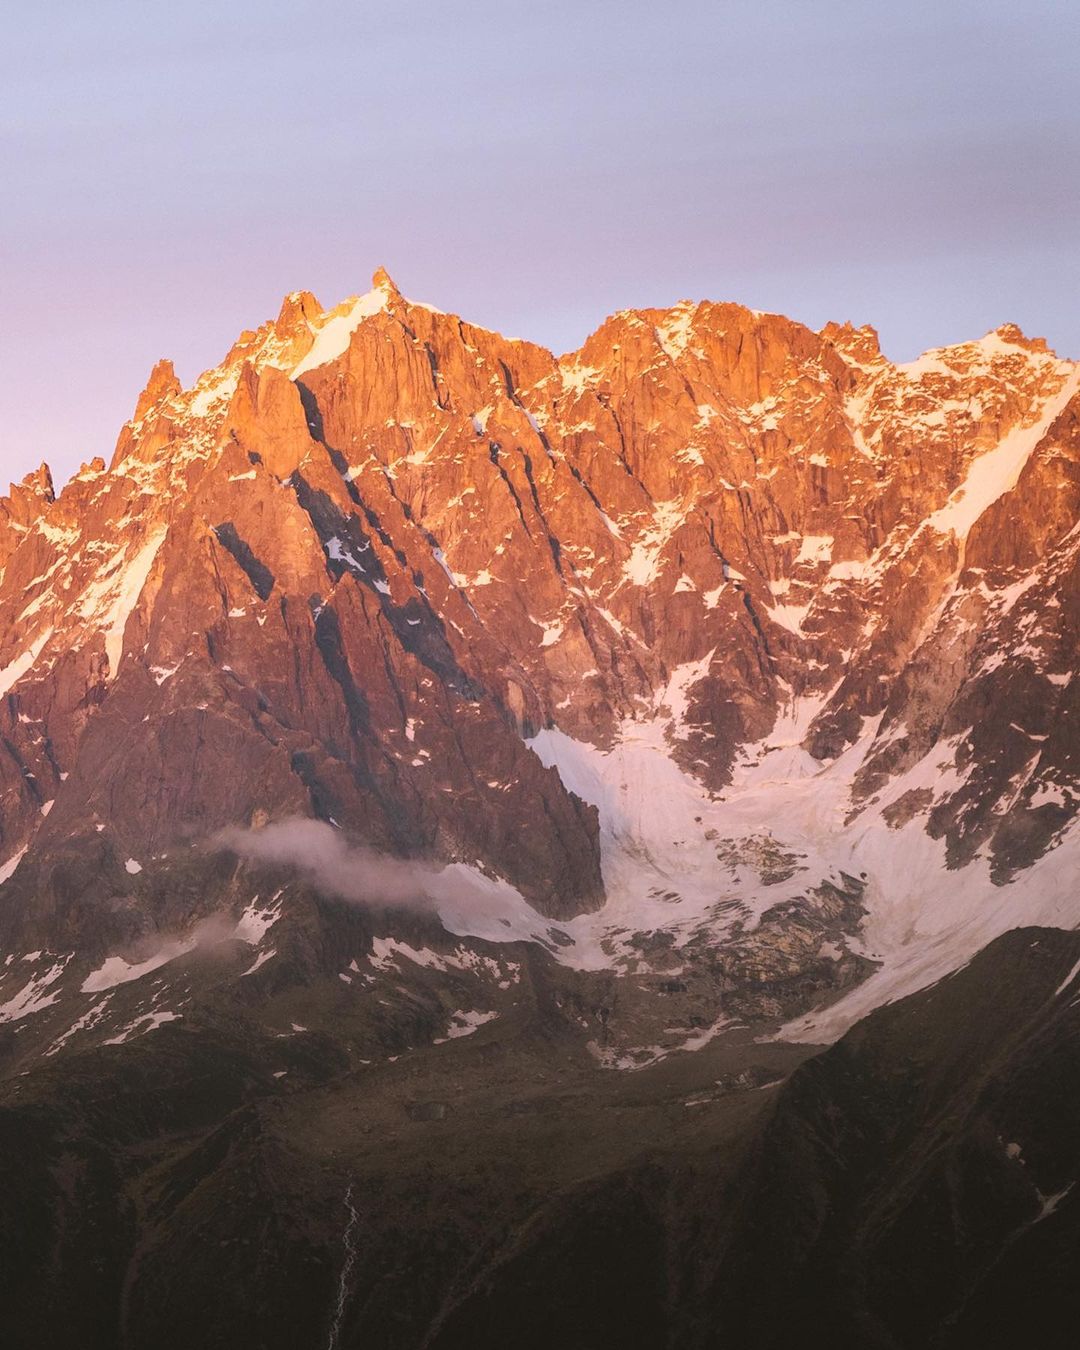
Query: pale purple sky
[169, 172]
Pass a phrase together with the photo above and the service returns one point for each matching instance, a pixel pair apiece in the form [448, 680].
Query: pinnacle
[381, 280]
[162, 383]
[298, 305]
[162, 372]
[38, 482]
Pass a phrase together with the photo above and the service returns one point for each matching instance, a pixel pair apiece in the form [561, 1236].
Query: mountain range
[566, 851]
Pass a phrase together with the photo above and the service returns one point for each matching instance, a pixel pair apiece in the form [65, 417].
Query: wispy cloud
[326, 859]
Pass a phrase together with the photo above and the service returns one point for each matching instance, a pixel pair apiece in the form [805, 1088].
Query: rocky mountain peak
[382, 281]
[25, 503]
[37, 486]
[1014, 336]
[297, 308]
[404, 701]
[860, 344]
[684, 643]
[161, 385]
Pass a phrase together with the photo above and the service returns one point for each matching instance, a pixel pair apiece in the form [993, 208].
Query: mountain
[434, 768]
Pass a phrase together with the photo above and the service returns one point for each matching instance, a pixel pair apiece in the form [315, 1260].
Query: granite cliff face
[384, 568]
[397, 679]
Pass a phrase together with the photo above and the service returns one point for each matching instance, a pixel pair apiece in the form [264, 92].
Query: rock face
[914, 1186]
[355, 570]
[21, 508]
[413, 731]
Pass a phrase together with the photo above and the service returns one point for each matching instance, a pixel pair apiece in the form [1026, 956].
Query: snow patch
[257, 920]
[260, 960]
[35, 995]
[333, 338]
[111, 597]
[464, 1024]
[8, 869]
[996, 472]
[15, 670]
[141, 1025]
[116, 970]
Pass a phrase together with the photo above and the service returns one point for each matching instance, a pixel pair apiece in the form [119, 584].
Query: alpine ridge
[678, 700]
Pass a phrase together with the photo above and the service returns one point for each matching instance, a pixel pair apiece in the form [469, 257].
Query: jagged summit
[162, 384]
[382, 281]
[298, 307]
[38, 483]
[1013, 334]
[473, 603]
[860, 343]
[431, 747]
[21, 508]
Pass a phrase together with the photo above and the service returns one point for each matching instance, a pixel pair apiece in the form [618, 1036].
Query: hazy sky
[169, 172]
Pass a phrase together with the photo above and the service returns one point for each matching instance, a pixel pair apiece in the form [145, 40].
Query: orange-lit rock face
[354, 568]
[20, 509]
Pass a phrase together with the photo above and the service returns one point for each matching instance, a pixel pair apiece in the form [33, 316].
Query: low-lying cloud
[324, 857]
